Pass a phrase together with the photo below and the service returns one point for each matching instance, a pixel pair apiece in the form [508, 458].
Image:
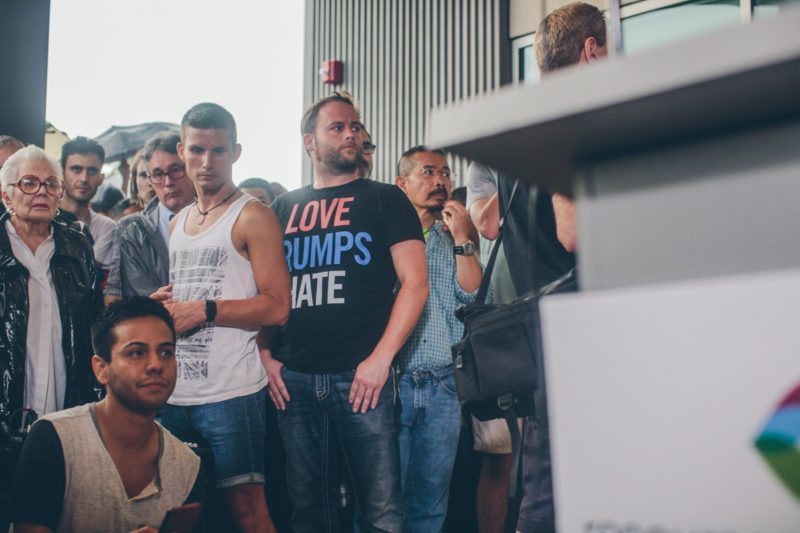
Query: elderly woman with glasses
[48, 299]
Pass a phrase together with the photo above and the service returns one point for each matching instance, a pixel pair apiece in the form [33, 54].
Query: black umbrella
[126, 140]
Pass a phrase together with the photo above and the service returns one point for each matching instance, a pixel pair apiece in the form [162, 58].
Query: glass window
[528, 70]
[771, 7]
[524, 60]
[674, 23]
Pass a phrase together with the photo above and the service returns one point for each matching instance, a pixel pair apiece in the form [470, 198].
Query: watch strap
[211, 310]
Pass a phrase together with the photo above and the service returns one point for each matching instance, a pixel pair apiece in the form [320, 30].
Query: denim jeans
[317, 421]
[430, 425]
[234, 429]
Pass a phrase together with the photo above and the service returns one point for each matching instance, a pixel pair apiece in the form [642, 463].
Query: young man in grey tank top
[108, 466]
[228, 278]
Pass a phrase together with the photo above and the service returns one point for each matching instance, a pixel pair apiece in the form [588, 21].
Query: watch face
[469, 248]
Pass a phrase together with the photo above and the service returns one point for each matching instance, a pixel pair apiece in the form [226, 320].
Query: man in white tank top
[228, 278]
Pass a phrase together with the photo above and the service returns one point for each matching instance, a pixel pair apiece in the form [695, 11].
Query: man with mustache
[349, 242]
[109, 466]
[430, 415]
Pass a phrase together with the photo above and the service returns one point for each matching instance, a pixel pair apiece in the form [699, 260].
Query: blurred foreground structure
[673, 377]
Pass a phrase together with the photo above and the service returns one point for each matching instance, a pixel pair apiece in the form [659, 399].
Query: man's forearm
[259, 311]
[468, 272]
[486, 217]
[406, 311]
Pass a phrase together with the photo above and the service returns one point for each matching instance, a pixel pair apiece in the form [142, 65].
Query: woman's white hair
[8, 174]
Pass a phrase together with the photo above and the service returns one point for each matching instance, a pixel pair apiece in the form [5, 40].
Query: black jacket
[74, 278]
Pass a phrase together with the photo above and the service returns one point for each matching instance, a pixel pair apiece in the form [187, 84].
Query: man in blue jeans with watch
[227, 279]
[430, 415]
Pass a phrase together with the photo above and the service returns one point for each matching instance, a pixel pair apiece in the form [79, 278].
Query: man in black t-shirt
[349, 243]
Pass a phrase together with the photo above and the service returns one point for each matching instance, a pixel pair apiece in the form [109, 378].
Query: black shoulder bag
[498, 364]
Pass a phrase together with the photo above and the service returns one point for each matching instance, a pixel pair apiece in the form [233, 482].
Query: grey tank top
[94, 496]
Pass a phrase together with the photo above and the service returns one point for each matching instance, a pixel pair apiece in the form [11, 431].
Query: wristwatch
[468, 249]
[211, 310]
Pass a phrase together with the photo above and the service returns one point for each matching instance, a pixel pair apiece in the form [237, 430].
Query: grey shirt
[482, 183]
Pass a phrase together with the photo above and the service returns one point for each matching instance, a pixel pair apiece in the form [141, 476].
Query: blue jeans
[319, 420]
[234, 429]
[430, 425]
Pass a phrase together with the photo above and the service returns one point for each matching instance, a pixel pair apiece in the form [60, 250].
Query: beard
[125, 394]
[339, 163]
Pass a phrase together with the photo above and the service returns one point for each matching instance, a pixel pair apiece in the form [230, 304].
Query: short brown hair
[561, 35]
[309, 122]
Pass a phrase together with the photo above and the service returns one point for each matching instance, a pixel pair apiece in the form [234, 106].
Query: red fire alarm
[332, 72]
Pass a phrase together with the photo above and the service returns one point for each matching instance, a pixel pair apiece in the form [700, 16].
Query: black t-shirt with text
[337, 245]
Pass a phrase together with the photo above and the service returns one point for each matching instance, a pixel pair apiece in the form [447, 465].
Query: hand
[163, 294]
[371, 376]
[275, 386]
[186, 315]
[145, 529]
[456, 218]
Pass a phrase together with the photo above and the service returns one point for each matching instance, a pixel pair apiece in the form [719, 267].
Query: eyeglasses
[175, 172]
[429, 173]
[368, 147]
[90, 171]
[32, 185]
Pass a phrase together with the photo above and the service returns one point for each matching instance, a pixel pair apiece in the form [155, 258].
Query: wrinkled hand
[162, 294]
[275, 386]
[186, 315]
[371, 376]
[456, 218]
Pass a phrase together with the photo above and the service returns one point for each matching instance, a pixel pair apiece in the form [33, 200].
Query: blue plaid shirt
[428, 347]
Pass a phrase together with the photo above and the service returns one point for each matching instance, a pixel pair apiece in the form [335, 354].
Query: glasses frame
[446, 174]
[181, 169]
[39, 187]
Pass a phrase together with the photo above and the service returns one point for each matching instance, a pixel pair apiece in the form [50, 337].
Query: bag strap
[487, 273]
[516, 451]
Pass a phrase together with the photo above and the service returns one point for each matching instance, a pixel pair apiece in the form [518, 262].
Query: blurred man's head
[366, 155]
[82, 161]
[574, 33]
[425, 177]
[166, 172]
[332, 135]
[134, 345]
[258, 188]
[208, 146]
[8, 145]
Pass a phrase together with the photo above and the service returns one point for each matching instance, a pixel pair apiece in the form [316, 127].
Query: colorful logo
[778, 442]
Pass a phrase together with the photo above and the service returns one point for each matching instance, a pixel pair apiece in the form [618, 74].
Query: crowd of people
[146, 343]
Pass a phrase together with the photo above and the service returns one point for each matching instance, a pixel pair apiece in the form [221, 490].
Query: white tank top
[215, 363]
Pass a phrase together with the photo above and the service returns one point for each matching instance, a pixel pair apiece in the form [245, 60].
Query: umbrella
[121, 141]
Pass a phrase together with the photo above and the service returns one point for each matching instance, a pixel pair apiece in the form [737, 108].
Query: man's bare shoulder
[255, 213]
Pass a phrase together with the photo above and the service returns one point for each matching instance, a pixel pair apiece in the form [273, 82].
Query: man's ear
[237, 152]
[589, 52]
[308, 142]
[401, 182]
[179, 147]
[100, 369]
